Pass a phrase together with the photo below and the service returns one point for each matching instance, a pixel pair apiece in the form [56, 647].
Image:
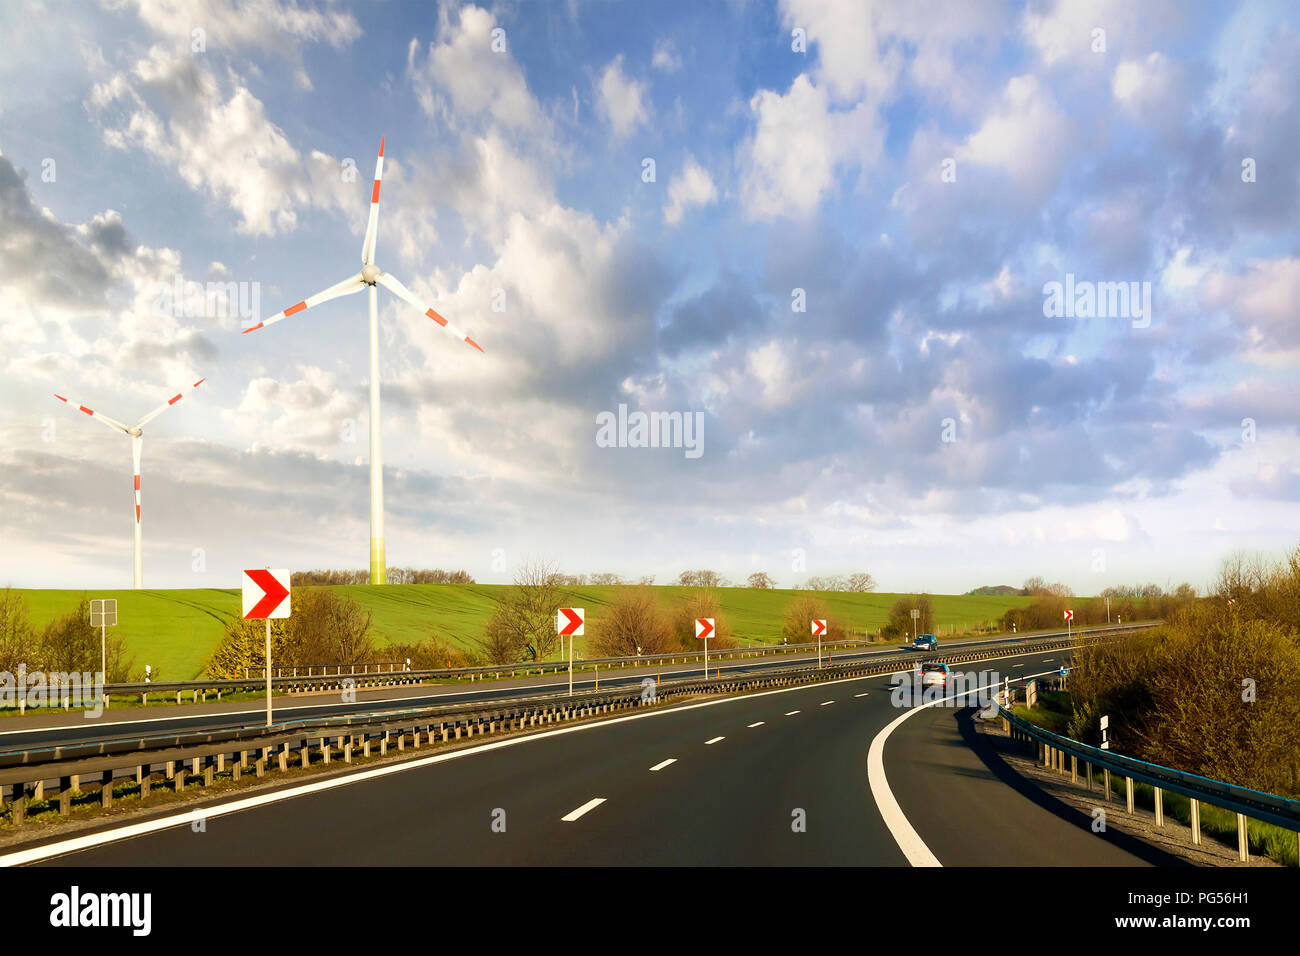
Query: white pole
[706, 657]
[819, 650]
[268, 672]
[103, 654]
[137, 446]
[570, 664]
[378, 569]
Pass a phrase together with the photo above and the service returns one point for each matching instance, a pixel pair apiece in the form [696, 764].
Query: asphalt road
[50, 730]
[743, 770]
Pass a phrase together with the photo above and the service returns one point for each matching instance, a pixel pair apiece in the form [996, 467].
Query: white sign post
[703, 628]
[818, 629]
[1105, 735]
[103, 614]
[915, 614]
[266, 596]
[569, 622]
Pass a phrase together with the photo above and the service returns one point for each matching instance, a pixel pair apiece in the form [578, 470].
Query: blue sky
[919, 171]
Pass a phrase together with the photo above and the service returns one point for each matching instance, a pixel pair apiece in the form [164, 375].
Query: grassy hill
[175, 630]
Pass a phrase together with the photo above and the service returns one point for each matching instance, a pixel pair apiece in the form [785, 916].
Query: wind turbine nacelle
[370, 274]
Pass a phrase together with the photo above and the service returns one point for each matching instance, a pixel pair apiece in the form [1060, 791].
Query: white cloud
[693, 186]
[1026, 134]
[665, 56]
[789, 164]
[463, 78]
[1261, 298]
[219, 143]
[620, 101]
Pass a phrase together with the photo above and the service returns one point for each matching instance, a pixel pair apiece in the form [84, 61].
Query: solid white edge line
[591, 804]
[211, 811]
[663, 763]
[904, 834]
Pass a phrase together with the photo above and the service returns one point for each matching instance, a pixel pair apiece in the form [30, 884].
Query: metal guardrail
[24, 775]
[1243, 801]
[325, 681]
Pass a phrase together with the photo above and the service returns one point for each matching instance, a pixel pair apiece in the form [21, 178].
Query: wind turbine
[370, 277]
[136, 432]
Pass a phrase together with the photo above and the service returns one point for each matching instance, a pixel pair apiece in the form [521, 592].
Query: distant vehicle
[925, 642]
[933, 673]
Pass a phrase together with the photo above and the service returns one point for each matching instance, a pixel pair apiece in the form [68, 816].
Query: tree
[899, 624]
[68, 643]
[861, 581]
[525, 614]
[634, 623]
[796, 627]
[761, 579]
[501, 643]
[700, 579]
[325, 628]
[701, 604]
[17, 640]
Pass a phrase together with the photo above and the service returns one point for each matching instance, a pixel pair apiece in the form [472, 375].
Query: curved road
[718, 782]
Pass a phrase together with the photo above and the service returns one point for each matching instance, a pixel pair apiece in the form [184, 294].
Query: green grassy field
[175, 630]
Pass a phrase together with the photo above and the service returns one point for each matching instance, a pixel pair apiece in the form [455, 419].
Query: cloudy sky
[826, 227]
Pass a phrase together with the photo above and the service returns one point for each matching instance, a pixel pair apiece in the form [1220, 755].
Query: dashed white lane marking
[791, 713]
[1048, 660]
[860, 695]
[826, 702]
[663, 763]
[757, 723]
[714, 740]
[590, 805]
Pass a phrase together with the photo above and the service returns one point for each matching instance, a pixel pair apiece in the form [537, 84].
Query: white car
[934, 674]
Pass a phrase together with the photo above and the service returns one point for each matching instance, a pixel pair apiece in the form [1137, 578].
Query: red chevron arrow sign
[818, 628]
[703, 627]
[568, 621]
[266, 593]
[1069, 615]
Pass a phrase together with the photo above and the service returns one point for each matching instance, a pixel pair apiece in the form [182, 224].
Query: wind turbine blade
[168, 404]
[346, 287]
[372, 225]
[402, 292]
[110, 422]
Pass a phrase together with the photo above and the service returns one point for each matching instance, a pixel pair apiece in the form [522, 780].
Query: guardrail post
[347, 751]
[1160, 806]
[18, 809]
[1243, 839]
[106, 790]
[1074, 769]
[178, 781]
[1196, 821]
[1128, 792]
[283, 757]
[1087, 764]
[1105, 782]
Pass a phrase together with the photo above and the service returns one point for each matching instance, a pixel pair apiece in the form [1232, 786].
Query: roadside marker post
[266, 596]
[916, 612]
[818, 629]
[569, 622]
[1069, 623]
[103, 614]
[703, 628]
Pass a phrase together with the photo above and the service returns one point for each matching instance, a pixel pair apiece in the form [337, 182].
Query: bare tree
[526, 612]
[634, 623]
[761, 579]
[861, 581]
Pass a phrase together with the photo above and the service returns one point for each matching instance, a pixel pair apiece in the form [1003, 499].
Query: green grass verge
[176, 630]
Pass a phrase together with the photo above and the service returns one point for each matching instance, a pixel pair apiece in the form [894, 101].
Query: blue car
[925, 642]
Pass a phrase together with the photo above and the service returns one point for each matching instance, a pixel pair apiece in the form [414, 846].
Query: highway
[49, 730]
[717, 782]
